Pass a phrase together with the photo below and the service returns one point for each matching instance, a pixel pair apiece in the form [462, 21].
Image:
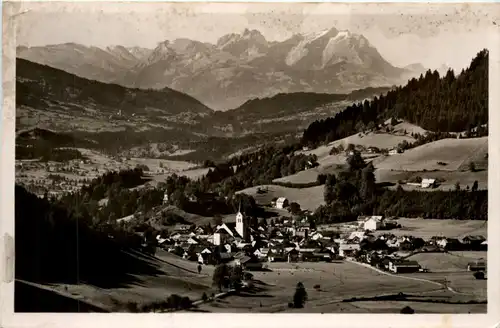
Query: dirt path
[408, 278]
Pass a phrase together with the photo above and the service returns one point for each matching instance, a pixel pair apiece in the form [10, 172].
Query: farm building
[395, 151]
[223, 233]
[282, 202]
[403, 266]
[473, 241]
[449, 243]
[428, 183]
[479, 265]
[374, 223]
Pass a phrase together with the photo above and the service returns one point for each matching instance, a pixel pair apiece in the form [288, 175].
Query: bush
[132, 307]
[479, 275]
[472, 167]
[407, 310]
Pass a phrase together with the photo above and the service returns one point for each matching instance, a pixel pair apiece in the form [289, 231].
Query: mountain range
[114, 117]
[237, 68]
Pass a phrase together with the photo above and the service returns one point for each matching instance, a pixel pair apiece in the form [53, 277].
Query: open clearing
[419, 307]
[447, 262]
[409, 128]
[338, 281]
[308, 198]
[310, 175]
[456, 153]
[465, 178]
[426, 228]
[380, 140]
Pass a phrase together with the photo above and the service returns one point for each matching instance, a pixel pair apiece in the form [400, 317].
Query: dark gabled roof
[474, 238]
[245, 259]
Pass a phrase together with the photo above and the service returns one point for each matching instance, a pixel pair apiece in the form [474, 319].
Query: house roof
[245, 259]
[349, 247]
[474, 238]
[229, 227]
[281, 199]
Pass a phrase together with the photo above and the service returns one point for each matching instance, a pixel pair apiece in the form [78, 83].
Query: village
[292, 239]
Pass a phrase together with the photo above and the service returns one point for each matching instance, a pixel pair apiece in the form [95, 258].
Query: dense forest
[355, 192]
[452, 103]
[48, 250]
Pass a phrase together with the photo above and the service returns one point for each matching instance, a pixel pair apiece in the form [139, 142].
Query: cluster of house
[294, 241]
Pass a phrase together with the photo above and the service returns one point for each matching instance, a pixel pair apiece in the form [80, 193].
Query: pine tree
[300, 296]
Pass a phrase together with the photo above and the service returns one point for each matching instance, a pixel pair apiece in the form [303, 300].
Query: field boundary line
[408, 278]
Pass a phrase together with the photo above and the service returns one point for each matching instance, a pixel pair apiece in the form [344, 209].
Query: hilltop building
[428, 183]
[282, 203]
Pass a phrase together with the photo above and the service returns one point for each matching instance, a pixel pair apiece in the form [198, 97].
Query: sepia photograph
[291, 158]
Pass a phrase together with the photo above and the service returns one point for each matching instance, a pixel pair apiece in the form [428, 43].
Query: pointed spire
[239, 207]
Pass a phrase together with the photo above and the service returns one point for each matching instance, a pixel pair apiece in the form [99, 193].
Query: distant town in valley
[247, 175]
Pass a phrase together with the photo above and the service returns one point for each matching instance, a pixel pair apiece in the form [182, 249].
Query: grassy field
[426, 228]
[466, 178]
[456, 153]
[274, 289]
[311, 175]
[447, 262]
[308, 198]
[338, 281]
[409, 128]
[371, 139]
[176, 276]
[419, 307]
[453, 267]
[379, 140]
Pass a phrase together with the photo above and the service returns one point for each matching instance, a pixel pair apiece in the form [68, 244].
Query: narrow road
[408, 278]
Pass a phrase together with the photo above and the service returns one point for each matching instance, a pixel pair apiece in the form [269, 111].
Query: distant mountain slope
[113, 117]
[442, 104]
[238, 67]
[287, 112]
[37, 82]
[106, 116]
[88, 62]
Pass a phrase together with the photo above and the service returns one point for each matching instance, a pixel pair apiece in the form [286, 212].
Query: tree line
[354, 192]
[451, 103]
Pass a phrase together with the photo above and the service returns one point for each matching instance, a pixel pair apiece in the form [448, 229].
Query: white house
[357, 235]
[316, 236]
[393, 152]
[428, 183]
[281, 203]
[374, 223]
[222, 234]
[165, 198]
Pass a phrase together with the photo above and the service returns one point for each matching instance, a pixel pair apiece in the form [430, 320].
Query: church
[227, 232]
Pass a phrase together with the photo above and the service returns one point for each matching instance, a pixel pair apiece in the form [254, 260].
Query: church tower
[240, 223]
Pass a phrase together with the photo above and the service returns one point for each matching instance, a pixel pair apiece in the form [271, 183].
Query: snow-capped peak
[161, 52]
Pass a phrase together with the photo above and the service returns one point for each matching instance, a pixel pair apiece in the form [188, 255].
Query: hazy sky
[431, 34]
